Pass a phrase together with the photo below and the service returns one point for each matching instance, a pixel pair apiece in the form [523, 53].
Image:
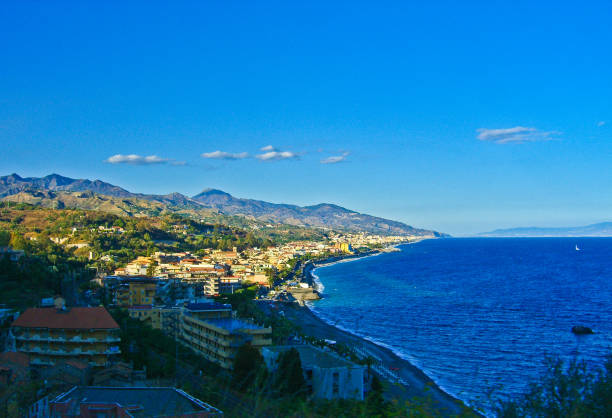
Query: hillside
[324, 215]
[88, 200]
[55, 191]
[603, 229]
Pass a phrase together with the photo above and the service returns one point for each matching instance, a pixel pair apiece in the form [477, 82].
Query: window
[336, 384]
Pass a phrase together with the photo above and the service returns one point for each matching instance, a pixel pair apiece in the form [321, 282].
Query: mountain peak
[210, 192]
[14, 177]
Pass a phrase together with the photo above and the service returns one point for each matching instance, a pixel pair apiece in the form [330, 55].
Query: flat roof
[232, 324]
[314, 357]
[209, 306]
[152, 402]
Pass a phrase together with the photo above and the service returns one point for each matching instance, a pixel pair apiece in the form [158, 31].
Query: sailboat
[577, 249]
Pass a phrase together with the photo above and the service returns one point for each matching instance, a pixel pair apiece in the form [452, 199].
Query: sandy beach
[406, 380]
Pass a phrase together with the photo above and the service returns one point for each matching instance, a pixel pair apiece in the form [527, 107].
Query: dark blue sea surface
[479, 316]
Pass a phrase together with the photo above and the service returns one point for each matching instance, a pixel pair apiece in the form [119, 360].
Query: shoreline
[406, 379]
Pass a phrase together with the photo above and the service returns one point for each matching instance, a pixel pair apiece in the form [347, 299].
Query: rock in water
[580, 330]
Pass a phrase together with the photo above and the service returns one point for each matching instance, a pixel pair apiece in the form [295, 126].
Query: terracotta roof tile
[73, 318]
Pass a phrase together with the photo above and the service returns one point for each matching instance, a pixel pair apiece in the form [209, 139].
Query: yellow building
[345, 247]
[136, 292]
[210, 330]
[48, 335]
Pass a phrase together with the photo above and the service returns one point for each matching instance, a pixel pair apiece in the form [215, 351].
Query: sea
[480, 316]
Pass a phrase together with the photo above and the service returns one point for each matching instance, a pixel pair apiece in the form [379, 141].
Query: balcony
[56, 351]
[66, 339]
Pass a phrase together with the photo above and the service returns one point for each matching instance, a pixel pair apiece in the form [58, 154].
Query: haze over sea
[478, 314]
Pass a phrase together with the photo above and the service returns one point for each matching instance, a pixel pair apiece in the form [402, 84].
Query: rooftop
[71, 318]
[314, 357]
[210, 306]
[232, 324]
[142, 402]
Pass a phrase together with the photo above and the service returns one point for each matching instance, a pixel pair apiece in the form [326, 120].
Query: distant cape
[603, 229]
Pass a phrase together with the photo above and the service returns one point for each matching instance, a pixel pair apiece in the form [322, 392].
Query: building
[344, 247]
[327, 375]
[49, 335]
[136, 291]
[210, 330]
[14, 368]
[228, 285]
[94, 401]
[13, 255]
[7, 315]
[164, 318]
[67, 372]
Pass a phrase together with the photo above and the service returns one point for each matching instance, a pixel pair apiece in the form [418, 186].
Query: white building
[327, 375]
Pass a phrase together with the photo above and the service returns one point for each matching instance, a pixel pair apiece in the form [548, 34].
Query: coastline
[407, 380]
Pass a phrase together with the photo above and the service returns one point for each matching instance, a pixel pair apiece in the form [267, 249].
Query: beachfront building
[95, 401]
[49, 335]
[210, 330]
[327, 375]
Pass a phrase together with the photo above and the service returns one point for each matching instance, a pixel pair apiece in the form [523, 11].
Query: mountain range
[603, 229]
[58, 191]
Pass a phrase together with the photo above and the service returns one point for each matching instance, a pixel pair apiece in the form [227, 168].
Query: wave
[399, 353]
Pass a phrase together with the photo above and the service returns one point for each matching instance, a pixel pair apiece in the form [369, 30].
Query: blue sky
[459, 116]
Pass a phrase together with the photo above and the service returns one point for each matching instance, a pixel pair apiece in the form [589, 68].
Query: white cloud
[335, 159]
[517, 134]
[135, 159]
[222, 155]
[268, 148]
[274, 155]
[601, 123]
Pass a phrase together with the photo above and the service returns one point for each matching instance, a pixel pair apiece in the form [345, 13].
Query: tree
[5, 237]
[376, 402]
[152, 268]
[248, 365]
[18, 242]
[566, 390]
[290, 375]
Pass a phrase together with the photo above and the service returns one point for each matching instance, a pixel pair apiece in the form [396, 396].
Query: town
[173, 324]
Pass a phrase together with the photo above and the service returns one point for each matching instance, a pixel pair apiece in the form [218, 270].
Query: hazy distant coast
[602, 229]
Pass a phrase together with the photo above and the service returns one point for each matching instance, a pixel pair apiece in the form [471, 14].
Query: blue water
[479, 316]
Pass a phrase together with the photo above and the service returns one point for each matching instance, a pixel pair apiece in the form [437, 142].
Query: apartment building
[49, 335]
[136, 291]
[210, 330]
[95, 401]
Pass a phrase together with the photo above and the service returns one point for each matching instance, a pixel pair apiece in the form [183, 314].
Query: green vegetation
[45, 270]
[290, 375]
[567, 390]
[249, 369]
